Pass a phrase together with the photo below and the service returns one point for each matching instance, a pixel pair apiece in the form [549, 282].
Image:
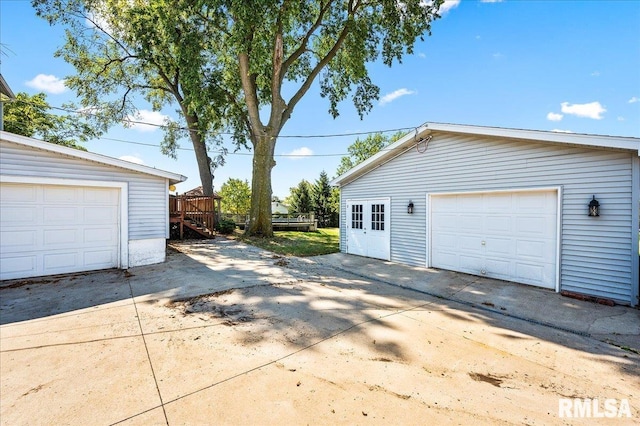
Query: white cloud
[146, 121]
[595, 74]
[47, 83]
[132, 159]
[299, 153]
[620, 118]
[561, 131]
[552, 116]
[498, 55]
[448, 5]
[390, 97]
[591, 110]
[634, 99]
[491, 1]
[422, 55]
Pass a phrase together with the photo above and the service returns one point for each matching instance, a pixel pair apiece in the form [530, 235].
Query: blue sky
[543, 65]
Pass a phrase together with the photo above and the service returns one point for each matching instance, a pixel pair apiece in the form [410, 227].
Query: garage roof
[98, 158]
[5, 89]
[413, 138]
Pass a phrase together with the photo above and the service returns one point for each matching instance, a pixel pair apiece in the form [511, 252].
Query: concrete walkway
[223, 333]
[618, 325]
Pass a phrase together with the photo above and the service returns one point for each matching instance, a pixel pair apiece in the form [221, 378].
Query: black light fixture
[410, 207]
[594, 207]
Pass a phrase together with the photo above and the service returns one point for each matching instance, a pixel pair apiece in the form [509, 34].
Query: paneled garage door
[505, 235]
[368, 228]
[52, 229]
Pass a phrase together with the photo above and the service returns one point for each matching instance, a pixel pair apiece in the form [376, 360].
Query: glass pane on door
[357, 218]
[377, 217]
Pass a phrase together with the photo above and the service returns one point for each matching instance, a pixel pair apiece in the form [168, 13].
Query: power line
[317, 136]
[221, 151]
[233, 153]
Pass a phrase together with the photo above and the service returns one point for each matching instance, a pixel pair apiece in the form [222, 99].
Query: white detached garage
[64, 210]
[501, 203]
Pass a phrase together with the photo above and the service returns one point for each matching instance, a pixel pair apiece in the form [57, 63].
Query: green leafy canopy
[362, 149]
[236, 196]
[240, 66]
[29, 116]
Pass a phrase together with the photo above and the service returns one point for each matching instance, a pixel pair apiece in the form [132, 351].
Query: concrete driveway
[223, 333]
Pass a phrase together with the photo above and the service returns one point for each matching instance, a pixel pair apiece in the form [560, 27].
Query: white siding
[147, 194]
[596, 255]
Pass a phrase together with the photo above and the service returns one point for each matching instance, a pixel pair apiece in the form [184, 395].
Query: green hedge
[226, 226]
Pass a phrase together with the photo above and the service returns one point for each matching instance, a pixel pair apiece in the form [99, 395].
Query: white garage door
[51, 229]
[368, 228]
[510, 236]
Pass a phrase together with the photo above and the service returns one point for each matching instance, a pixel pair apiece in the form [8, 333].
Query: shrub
[226, 226]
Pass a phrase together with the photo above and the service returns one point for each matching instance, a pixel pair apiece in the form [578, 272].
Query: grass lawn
[292, 243]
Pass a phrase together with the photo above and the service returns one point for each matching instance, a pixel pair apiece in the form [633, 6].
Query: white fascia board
[85, 155]
[598, 141]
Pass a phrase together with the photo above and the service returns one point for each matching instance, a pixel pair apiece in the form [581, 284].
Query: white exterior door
[54, 229]
[367, 226]
[505, 235]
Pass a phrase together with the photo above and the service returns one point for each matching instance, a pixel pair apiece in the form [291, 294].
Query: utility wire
[246, 154]
[227, 153]
[223, 152]
[133, 122]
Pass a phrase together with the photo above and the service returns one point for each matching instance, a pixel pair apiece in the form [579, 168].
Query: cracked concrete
[224, 333]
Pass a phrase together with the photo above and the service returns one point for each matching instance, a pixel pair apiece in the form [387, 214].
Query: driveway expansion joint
[146, 348]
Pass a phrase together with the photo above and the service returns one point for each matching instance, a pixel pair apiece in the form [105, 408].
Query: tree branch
[124, 99]
[208, 20]
[103, 31]
[249, 88]
[277, 103]
[305, 40]
[162, 88]
[321, 64]
[120, 60]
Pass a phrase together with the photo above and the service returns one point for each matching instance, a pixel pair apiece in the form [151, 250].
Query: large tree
[300, 200]
[321, 201]
[236, 196]
[31, 116]
[241, 64]
[166, 52]
[362, 149]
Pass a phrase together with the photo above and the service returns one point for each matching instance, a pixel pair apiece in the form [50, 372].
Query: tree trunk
[204, 167]
[202, 157]
[260, 213]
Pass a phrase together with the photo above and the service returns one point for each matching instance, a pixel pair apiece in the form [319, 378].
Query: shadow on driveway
[333, 339]
[350, 291]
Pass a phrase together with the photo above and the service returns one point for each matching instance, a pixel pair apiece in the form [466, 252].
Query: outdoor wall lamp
[594, 207]
[410, 207]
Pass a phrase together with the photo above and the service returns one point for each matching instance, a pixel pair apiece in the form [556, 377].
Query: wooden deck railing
[293, 218]
[294, 221]
[280, 221]
[196, 212]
